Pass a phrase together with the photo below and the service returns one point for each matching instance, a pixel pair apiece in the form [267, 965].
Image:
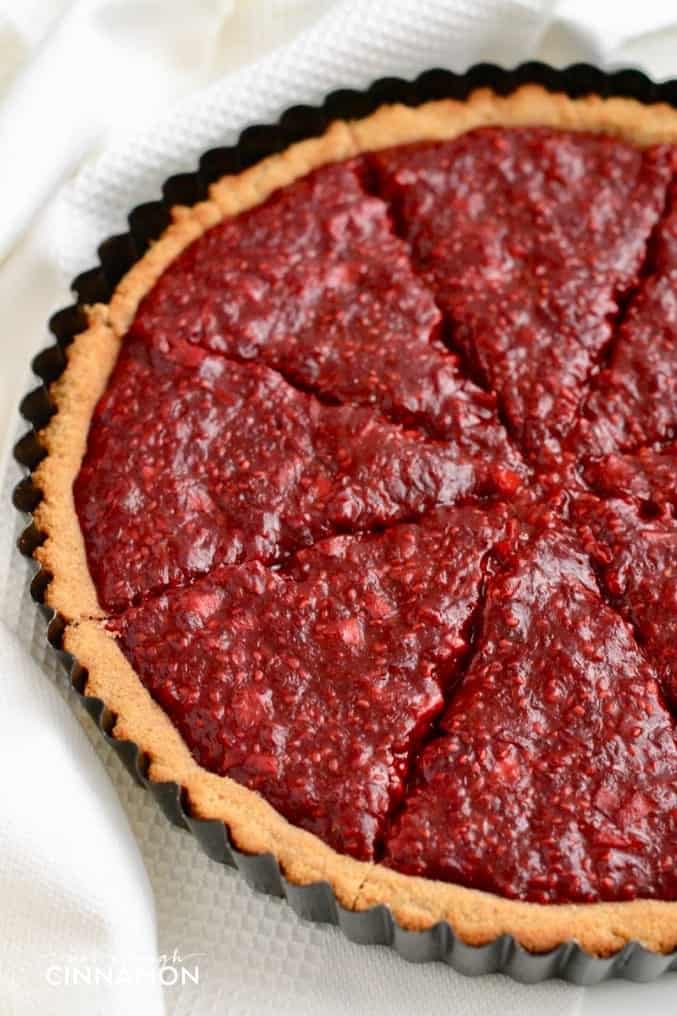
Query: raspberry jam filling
[315, 688]
[637, 562]
[380, 503]
[196, 461]
[647, 476]
[633, 402]
[314, 283]
[557, 757]
[528, 239]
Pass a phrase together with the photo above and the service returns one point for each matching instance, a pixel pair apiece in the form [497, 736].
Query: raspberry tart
[358, 506]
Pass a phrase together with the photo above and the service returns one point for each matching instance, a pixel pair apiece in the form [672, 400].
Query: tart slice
[637, 561]
[633, 402]
[315, 688]
[529, 240]
[194, 461]
[554, 777]
[278, 284]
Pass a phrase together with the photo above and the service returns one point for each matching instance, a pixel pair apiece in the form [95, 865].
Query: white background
[34, 282]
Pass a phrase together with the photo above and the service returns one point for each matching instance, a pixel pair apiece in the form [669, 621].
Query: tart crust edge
[416, 903]
[476, 917]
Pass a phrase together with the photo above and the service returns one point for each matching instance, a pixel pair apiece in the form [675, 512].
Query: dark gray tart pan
[116, 255]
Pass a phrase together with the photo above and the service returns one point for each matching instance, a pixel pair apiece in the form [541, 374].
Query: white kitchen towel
[255, 956]
[75, 71]
[74, 892]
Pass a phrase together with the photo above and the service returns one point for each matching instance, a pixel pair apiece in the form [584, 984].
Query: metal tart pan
[117, 254]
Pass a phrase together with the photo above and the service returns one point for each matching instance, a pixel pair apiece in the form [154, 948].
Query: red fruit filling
[634, 400]
[194, 460]
[637, 558]
[555, 777]
[649, 476]
[314, 689]
[528, 238]
[314, 283]
[457, 691]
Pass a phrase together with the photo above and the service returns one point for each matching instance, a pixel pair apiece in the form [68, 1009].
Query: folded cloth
[110, 79]
[76, 71]
[75, 899]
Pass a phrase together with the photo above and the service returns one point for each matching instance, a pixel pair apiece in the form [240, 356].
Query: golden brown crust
[90, 359]
[479, 917]
[528, 106]
[416, 903]
[255, 827]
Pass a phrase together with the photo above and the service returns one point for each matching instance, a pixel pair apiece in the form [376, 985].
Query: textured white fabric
[71, 869]
[258, 957]
[103, 65]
